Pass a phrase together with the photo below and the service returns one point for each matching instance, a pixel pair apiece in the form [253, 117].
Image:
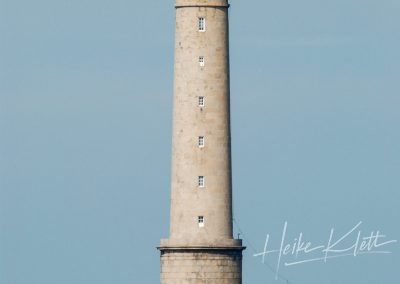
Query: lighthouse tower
[201, 247]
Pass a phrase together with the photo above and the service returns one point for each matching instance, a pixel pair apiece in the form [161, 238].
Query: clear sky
[85, 121]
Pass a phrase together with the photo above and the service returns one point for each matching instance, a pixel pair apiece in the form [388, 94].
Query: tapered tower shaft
[201, 246]
[201, 170]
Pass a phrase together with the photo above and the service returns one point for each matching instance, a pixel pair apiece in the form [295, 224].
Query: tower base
[205, 265]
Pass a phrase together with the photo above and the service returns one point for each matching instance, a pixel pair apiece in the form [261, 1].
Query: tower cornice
[200, 249]
[202, 3]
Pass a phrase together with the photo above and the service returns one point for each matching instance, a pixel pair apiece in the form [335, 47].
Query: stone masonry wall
[201, 267]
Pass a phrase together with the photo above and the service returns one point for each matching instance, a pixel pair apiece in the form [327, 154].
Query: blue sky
[85, 121]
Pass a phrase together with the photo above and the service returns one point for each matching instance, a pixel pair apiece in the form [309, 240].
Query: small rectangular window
[200, 181]
[202, 24]
[201, 60]
[201, 141]
[201, 101]
[200, 220]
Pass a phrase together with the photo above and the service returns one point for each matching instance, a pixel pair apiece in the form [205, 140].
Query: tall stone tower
[201, 248]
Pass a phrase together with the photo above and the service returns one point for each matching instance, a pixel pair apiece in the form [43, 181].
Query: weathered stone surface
[205, 266]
